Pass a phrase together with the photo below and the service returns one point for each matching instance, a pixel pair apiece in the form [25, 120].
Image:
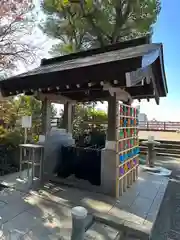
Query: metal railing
[143, 125]
[159, 126]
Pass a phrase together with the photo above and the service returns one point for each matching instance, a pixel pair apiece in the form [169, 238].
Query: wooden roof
[81, 76]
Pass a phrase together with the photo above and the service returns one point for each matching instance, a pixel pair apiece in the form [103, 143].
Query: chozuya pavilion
[117, 74]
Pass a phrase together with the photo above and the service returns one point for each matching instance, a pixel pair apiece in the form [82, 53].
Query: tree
[85, 119]
[12, 110]
[86, 24]
[15, 24]
[7, 113]
[13, 9]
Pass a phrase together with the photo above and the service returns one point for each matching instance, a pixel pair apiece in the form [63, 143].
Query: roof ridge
[108, 48]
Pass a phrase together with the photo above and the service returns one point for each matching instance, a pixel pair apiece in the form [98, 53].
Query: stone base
[157, 171]
[151, 169]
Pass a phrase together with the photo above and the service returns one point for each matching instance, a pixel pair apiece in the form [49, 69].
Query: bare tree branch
[14, 27]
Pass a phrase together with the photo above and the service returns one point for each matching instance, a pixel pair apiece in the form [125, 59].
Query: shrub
[10, 138]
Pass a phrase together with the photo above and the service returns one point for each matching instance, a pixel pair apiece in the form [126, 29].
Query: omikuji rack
[127, 147]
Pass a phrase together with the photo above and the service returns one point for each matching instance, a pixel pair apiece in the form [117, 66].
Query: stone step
[165, 142]
[113, 224]
[103, 231]
[162, 150]
[143, 152]
[169, 146]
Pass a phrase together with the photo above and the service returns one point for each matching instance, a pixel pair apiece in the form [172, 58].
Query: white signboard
[41, 138]
[27, 121]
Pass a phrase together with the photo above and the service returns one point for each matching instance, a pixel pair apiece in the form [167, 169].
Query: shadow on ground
[45, 212]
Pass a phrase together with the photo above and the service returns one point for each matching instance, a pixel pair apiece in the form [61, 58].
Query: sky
[166, 32]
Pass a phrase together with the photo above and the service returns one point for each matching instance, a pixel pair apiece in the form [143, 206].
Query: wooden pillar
[46, 116]
[73, 112]
[67, 118]
[109, 155]
[112, 119]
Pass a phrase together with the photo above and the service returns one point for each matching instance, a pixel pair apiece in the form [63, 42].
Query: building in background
[142, 117]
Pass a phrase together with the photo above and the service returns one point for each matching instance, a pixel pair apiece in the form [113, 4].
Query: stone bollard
[151, 153]
[79, 215]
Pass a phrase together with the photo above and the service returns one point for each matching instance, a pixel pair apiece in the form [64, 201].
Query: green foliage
[92, 114]
[11, 138]
[3, 132]
[86, 119]
[27, 105]
[87, 24]
[11, 112]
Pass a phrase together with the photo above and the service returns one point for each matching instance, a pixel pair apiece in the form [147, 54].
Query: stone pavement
[45, 212]
[167, 225]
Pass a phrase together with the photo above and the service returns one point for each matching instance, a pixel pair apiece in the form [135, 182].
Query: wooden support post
[112, 111]
[109, 157]
[46, 116]
[67, 118]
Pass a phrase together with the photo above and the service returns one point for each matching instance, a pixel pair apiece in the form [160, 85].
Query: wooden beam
[54, 98]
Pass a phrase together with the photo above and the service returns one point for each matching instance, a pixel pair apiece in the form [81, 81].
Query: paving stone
[155, 204]
[100, 231]
[120, 214]
[54, 216]
[163, 186]
[2, 204]
[148, 177]
[21, 224]
[38, 233]
[9, 211]
[10, 195]
[160, 194]
[57, 196]
[127, 199]
[51, 210]
[151, 217]
[141, 207]
[149, 193]
[42, 233]
[165, 181]
[149, 185]
[154, 209]
[149, 189]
